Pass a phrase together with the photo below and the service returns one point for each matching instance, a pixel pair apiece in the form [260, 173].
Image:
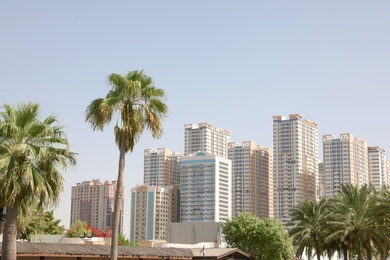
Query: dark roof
[45, 249]
[27, 248]
[219, 253]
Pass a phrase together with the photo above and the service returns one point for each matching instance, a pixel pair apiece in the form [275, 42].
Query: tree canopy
[263, 238]
[39, 221]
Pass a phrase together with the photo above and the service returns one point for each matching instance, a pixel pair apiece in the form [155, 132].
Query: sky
[233, 64]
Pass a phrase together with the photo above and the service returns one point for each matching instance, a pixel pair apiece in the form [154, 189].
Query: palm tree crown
[138, 103]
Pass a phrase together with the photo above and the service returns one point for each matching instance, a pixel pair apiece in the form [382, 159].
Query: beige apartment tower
[295, 152]
[377, 167]
[93, 202]
[345, 162]
[152, 209]
[252, 179]
[205, 138]
[161, 167]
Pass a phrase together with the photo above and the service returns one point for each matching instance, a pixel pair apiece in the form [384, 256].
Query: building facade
[93, 202]
[377, 167]
[161, 167]
[205, 188]
[345, 162]
[204, 138]
[252, 179]
[295, 149]
[152, 209]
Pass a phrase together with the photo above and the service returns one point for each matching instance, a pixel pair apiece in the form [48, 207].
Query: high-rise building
[377, 167]
[295, 163]
[205, 138]
[345, 162]
[161, 167]
[152, 209]
[388, 171]
[252, 178]
[321, 183]
[93, 202]
[205, 188]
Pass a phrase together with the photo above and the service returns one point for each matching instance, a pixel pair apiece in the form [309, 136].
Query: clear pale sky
[234, 64]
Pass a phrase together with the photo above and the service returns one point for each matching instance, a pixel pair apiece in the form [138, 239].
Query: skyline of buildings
[215, 179]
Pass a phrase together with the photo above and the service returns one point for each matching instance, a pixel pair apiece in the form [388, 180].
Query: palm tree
[354, 221]
[309, 224]
[382, 216]
[31, 153]
[138, 105]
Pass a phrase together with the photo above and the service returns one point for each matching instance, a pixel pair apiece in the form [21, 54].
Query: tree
[80, 228]
[309, 227]
[32, 152]
[138, 105]
[38, 221]
[355, 222]
[263, 238]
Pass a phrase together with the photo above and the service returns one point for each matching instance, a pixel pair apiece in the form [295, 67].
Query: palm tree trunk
[369, 252]
[8, 249]
[345, 253]
[117, 203]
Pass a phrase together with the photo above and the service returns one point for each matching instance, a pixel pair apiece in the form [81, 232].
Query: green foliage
[309, 232]
[80, 228]
[38, 221]
[263, 238]
[32, 154]
[355, 222]
[122, 241]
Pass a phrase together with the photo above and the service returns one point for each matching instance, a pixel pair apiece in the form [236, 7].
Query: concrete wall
[194, 232]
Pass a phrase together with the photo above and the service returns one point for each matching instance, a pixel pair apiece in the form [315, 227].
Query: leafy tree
[137, 105]
[263, 238]
[38, 221]
[122, 241]
[32, 152]
[80, 228]
[309, 227]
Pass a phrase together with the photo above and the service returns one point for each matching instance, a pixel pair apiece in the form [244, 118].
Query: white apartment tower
[205, 138]
[295, 163]
[205, 188]
[161, 167]
[345, 162]
[152, 209]
[93, 202]
[377, 167]
[252, 178]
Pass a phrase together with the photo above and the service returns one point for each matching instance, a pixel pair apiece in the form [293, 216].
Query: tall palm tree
[32, 152]
[309, 227]
[137, 105]
[354, 222]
